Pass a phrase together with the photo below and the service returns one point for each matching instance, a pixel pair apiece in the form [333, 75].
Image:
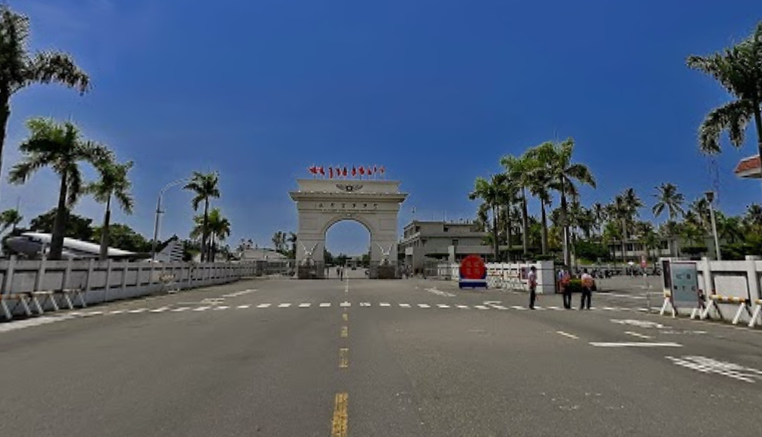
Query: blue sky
[435, 90]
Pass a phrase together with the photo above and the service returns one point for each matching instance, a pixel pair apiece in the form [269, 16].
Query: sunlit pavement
[376, 358]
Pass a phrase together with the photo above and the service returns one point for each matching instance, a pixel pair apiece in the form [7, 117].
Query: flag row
[336, 172]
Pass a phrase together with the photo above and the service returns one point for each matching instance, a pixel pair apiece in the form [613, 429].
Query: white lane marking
[441, 305]
[639, 323]
[481, 307]
[284, 305]
[554, 308]
[240, 307]
[439, 292]
[160, 310]
[139, 310]
[117, 311]
[305, 305]
[537, 307]
[463, 307]
[423, 305]
[405, 305]
[37, 321]
[629, 296]
[499, 307]
[364, 304]
[238, 293]
[609, 309]
[201, 308]
[709, 365]
[181, 309]
[325, 305]
[385, 304]
[221, 307]
[264, 305]
[566, 334]
[630, 344]
[98, 313]
[516, 307]
[635, 334]
[345, 304]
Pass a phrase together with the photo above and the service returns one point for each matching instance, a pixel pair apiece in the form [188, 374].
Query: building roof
[749, 168]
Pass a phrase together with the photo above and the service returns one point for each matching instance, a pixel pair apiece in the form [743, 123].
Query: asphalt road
[375, 358]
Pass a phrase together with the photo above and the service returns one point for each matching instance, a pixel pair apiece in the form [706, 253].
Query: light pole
[158, 213]
[710, 198]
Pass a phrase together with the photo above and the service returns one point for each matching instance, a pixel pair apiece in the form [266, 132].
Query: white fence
[108, 280]
[510, 276]
[739, 279]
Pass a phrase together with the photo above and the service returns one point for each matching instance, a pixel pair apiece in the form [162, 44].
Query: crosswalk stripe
[97, 313]
[201, 308]
[480, 307]
[364, 304]
[441, 305]
[160, 310]
[117, 311]
[221, 307]
[325, 305]
[305, 305]
[264, 305]
[554, 308]
[345, 304]
[516, 307]
[181, 309]
[384, 304]
[423, 305]
[240, 307]
[463, 307]
[609, 309]
[499, 307]
[284, 305]
[139, 310]
[405, 305]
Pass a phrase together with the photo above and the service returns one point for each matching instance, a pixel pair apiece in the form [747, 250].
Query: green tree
[205, 186]
[565, 175]
[10, 218]
[489, 191]
[519, 171]
[60, 147]
[124, 237]
[739, 70]
[19, 68]
[540, 185]
[291, 239]
[279, 241]
[77, 227]
[753, 216]
[667, 197]
[113, 183]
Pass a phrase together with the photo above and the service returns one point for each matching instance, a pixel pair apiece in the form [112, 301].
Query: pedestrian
[566, 290]
[532, 279]
[587, 289]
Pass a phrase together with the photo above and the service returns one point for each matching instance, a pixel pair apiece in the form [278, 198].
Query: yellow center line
[340, 416]
[344, 331]
[343, 358]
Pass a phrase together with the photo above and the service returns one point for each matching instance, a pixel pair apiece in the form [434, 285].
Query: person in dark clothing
[532, 279]
[587, 290]
[566, 292]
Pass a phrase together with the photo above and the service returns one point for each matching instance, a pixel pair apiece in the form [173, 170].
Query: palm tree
[113, 183]
[599, 215]
[565, 174]
[490, 192]
[205, 186]
[10, 218]
[753, 215]
[700, 209]
[20, 69]
[292, 237]
[61, 147]
[540, 186]
[519, 171]
[739, 70]
[667, 197]
[215, 226]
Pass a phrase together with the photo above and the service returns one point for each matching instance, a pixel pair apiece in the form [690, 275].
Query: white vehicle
[33, 244]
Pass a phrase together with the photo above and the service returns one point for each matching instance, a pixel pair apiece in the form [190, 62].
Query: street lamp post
[710, 198]
[158, 214]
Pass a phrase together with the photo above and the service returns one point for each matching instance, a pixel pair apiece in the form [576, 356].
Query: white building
[440, 240]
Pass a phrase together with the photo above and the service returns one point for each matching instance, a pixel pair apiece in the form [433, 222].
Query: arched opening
[347, 244]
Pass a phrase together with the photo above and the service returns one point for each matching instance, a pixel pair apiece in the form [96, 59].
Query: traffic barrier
[757, 314]
[20, 298]
[743, 304]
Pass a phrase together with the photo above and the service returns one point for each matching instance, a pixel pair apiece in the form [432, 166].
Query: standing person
[566, 290]
[532, 278]
[587, 289]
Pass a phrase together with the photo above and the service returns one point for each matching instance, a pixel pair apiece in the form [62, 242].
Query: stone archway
[323, 202]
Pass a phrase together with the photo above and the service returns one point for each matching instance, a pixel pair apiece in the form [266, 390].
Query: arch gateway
[323, 202]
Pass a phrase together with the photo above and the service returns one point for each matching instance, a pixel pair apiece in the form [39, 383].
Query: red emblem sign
[472, 267]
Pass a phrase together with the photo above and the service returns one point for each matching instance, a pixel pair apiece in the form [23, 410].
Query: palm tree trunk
[524, 222]
[624, 237]
[59, 224]
[105, 230]
[5, 113]
[508, 231]
[757, 123]
[544, 229]
[495, 234]
[565, 225]
[204, 230]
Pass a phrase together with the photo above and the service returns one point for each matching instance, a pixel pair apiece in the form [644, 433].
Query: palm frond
[733, 117]
[56, 67]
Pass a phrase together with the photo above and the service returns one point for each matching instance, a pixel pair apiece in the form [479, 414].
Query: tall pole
[158, 214]
[710, 197]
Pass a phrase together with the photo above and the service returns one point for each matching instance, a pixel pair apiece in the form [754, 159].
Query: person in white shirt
[587, 290]
[532, 279]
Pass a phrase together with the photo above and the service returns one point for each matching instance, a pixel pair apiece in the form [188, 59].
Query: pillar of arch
[321, 203]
